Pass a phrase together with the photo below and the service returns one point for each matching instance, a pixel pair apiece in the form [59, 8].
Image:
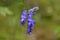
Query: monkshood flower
[31, 22]
[30, 27]
[23, 17]
[30, 15]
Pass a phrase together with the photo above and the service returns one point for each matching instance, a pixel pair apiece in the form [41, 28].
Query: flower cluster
[30, 26]
[23, 17]
[31, 22]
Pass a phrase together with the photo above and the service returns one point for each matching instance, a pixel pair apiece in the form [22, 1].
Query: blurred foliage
[4, 11]
[10, 12]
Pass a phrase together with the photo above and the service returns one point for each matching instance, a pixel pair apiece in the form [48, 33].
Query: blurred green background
[47, 20]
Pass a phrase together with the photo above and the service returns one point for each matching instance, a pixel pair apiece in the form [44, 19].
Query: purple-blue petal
[22, 21]
[30, 16]
[23, 17]
[24, 12]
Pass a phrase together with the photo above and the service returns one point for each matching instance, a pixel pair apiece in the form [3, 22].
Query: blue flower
[23, 17]
[31, 22]
[30, 26]
[30, 15]
[24, 12]
[22, 21]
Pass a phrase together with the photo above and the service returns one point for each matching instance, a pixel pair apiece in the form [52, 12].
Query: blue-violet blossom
[31, 22]
[23, 17]
[30, 26]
